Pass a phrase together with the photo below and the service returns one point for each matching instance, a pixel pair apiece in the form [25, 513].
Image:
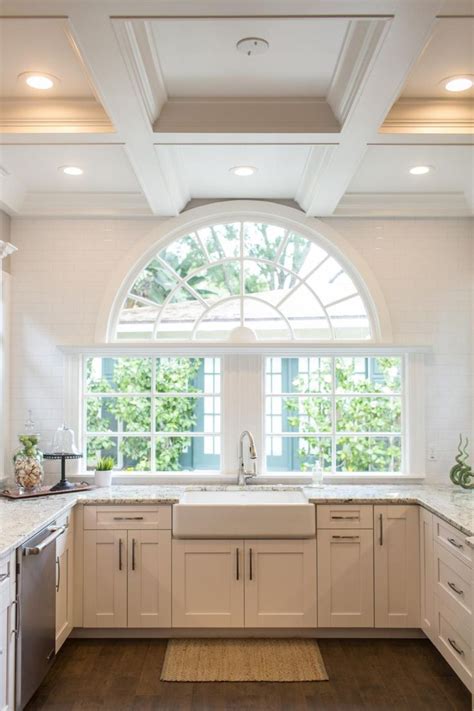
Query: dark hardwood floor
[403, 675]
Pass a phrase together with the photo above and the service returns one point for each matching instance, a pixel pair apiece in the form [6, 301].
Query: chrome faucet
[245, 475]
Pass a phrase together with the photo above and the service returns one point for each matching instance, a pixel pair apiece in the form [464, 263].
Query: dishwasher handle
[54, 531]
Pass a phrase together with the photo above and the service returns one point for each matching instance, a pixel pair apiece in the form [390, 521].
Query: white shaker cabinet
[397, 566]
[105, 578]
[127, 566]
[345, 578]
[208, 583]
[280, 583]
[426, 572]
[64, 581]
[252, 583]
[149, 579]
[7, 633]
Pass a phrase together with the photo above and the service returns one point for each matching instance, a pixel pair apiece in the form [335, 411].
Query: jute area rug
[243, 660]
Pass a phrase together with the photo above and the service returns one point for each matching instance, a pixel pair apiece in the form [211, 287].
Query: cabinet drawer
[127, 517]
[453, 540]
[453, 641]
[453, 582]
[344, 516]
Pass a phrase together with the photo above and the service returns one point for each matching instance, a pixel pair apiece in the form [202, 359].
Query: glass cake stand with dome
[63, 447]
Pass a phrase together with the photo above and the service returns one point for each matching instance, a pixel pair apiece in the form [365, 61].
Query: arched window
[243, 280]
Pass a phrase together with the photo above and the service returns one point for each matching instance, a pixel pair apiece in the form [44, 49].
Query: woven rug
[243, 660]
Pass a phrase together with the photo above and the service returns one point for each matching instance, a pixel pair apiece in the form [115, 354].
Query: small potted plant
[103, 471]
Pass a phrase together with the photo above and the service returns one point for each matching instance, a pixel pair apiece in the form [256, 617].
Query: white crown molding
[430, 116]
[317, 161]
[403, 205]
[246, 115]
[53, 116]
[358, 54]
[60, 204]
[139, 52]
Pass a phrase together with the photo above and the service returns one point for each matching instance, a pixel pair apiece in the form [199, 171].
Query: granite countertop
[21, 519]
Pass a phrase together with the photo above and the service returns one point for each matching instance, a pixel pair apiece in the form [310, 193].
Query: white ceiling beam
[407, 34]
[94, 35]
[173, 167]
[139, 52]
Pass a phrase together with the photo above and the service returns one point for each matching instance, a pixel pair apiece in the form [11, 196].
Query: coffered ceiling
[156, 105]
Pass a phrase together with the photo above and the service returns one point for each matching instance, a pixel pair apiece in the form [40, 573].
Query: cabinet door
[105, 578]
[149, 578]
[397, 568]
[345, 578]
[7, 653]
[426, 572]
[208, 583]
[280, 583]
[64, 587]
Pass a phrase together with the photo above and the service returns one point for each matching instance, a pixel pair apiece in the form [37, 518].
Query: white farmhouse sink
[244, 514]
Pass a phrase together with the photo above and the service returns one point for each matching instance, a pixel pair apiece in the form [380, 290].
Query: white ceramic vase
[103, 478]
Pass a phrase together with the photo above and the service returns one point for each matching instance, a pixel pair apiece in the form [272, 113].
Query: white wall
[5, 224]
[424, 268]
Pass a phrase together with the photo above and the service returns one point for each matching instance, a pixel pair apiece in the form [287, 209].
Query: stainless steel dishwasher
[36, 612]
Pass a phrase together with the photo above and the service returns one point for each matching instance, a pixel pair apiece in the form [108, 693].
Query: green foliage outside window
[133, 414]
[354, 414]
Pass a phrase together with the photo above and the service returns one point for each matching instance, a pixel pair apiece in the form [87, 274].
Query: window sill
[214, 478]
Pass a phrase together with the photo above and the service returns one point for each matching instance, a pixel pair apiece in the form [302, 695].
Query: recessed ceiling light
[458, 83]
[71, 170]
[243, 171]
[252, 45]
[38, 80]
[421, 169]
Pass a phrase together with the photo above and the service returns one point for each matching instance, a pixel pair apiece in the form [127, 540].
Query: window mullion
[333, 416]
[153, 416]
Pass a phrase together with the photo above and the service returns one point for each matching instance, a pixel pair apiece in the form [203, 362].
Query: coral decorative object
[461, 474]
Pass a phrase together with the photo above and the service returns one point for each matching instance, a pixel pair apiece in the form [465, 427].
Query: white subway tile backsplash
[424, 269]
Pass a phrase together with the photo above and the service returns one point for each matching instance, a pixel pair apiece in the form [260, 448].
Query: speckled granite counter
[21, 519]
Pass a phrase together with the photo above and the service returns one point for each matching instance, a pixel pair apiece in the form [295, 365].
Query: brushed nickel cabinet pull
[133, 553]
[354, 538]
[128, 518]
[58, 565]
[120, 554]
[16, 628]
[250, 564]
[455, 543]
[455, 647]
[455, 589]
[237, 564]
[345, 518]
[381, 529]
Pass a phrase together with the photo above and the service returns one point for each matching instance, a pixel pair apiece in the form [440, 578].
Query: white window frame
[242, 407]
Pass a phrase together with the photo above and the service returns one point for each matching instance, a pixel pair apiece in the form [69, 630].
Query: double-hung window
[153, 414]
[343, 413]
